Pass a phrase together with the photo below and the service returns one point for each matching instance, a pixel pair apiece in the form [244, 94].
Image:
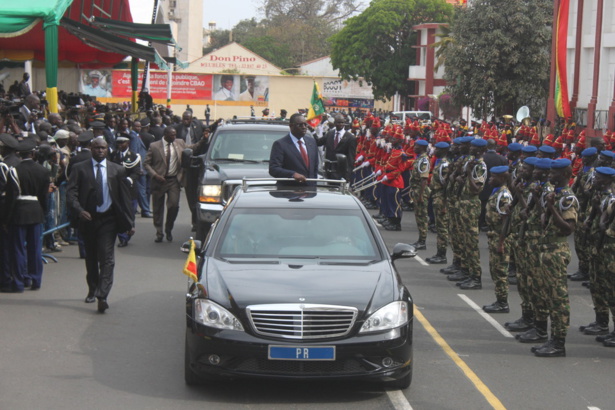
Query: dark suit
[26, 202]
[347, 146]
[285, 159]
[157, 131]
[191, 175]
[195, 129]
[99, 233]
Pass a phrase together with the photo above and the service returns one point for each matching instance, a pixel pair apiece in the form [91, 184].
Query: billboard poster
[232, 87]
[188, 86]
[335, 88]
[349, 103]
[96, 83]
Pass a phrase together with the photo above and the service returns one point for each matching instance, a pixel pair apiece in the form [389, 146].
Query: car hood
[237, 285]
[223, 171]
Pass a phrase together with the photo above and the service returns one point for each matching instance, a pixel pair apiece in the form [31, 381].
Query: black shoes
[532, 336]
[497, 307]
[450, 269]
[579, 276]
[522, 324]
[122, 244]
[604, 338]
[102, 305]
[158, 239]
[471, 284]
[392, 226]
[595, 329]
[169, 236]
[90, 298]
[436, 260]
[458, 276]
[555, 347]
[420, 245]
[146, 215]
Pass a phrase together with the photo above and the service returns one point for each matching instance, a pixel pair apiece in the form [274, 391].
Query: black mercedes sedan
[297, 284]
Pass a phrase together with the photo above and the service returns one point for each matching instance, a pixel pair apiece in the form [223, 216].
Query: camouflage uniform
[606, 253]
[420, 170]
[554, 259]
[453, 215]
[583, 194]
[468, 213]
[519, 251]
[498, 262]
[438, 195]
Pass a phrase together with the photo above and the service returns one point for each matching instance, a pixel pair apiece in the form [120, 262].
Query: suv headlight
[210, 193]
[388, 317]
[211, 314]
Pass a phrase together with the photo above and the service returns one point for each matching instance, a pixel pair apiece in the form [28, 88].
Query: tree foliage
[377, 44]
[498, 57]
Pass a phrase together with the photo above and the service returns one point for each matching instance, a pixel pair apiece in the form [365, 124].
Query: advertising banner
[188, 86]
[333, 88]
[97, 83]
[231, 87]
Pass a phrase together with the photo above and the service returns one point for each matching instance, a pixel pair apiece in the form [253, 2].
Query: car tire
[190, 377]
[202, 229]
[400, 384]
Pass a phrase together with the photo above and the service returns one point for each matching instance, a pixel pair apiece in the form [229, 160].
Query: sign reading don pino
[187, 86]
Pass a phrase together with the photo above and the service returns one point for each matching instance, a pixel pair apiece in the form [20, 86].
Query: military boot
[454, 267]
[438, 258]
[599, 327]
[525, 322]
[499, 306]
[555, 348]
[536, 334]
[604, 338]
[392, 224]
[472, 284]
[579, 276]
[459, 276]
[420, 244]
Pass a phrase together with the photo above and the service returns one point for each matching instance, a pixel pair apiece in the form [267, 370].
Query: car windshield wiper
[346, 262]
[249, 260]
[251, 161]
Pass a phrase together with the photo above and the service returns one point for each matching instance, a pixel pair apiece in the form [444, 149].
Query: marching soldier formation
[548, 191]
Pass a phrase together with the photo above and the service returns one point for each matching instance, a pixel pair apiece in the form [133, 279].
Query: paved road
[56, 352]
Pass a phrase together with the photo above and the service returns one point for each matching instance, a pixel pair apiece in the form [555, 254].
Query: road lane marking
[593, 408]
[476, 381]
[485, 315]
[399, 400]
[421, 261]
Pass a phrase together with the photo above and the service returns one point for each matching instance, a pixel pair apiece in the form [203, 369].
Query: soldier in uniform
[497, 218]
[606, 253]
[560, 209]
[392, 183]
[420, 191]
[471, 183]
[26, 202]
[438, 184]
[131, 161]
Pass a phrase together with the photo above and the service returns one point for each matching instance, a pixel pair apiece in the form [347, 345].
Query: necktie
[99, 185]
[337, 139]
[168, 157]
[304, 154]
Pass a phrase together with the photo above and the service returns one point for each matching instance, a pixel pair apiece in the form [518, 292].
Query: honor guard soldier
[438, 184]
[606, 254]
[497, 218]
[560, 208]
[471, 183]
[420, 191]
[392, 183]
[26, 202]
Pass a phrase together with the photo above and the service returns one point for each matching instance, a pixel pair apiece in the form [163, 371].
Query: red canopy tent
[31, 45]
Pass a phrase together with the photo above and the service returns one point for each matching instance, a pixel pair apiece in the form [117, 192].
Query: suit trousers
[142, 194]
[99, 240]
[26, 253]
[170, 191]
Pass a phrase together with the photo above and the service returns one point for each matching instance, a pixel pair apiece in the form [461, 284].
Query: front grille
[302, 321]
[349, 366]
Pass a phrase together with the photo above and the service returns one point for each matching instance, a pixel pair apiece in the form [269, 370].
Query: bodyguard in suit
[295, 155]
[26, 204]
[339, 141]
[98, 196]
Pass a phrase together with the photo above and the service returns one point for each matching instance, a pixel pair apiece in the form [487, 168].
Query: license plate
[302, 353]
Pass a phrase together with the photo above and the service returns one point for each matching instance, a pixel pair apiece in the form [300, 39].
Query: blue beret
[466, 139]
[543, 163]
[499, 169]
[588, 152]
[514, 147]
[442, 144]
[529, 149]
[531, 161]
[479, 142]
[422, 143]
[457, 140]
[561, 163]
[547, 149]
[608, 154]
[608, 171]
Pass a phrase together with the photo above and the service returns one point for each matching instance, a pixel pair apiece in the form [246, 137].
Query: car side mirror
[187, 158]
[342, 164]
[403, 251]
[185, 248]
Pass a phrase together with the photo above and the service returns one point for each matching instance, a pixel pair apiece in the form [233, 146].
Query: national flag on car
[317, 108]
[190, 266]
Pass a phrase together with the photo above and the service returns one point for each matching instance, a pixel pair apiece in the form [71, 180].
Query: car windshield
[298, 233]
[248, 145]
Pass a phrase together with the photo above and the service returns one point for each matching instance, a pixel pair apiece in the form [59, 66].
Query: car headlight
[211, 314]
[388, 317]
[210, 193]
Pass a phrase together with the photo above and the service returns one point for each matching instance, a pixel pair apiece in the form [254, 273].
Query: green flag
[317, 108]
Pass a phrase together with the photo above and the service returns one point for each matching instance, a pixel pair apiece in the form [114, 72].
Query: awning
[109, 42]
[19, 17]
[157, 33]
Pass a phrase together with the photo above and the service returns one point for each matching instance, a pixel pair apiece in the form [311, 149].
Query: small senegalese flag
[190, 266]
[317, 108]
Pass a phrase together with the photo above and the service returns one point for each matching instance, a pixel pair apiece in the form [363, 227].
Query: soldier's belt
[549, 240]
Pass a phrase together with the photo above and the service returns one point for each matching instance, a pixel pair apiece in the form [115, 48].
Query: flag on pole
[317, 108]
[190, 266]
[562, 103]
